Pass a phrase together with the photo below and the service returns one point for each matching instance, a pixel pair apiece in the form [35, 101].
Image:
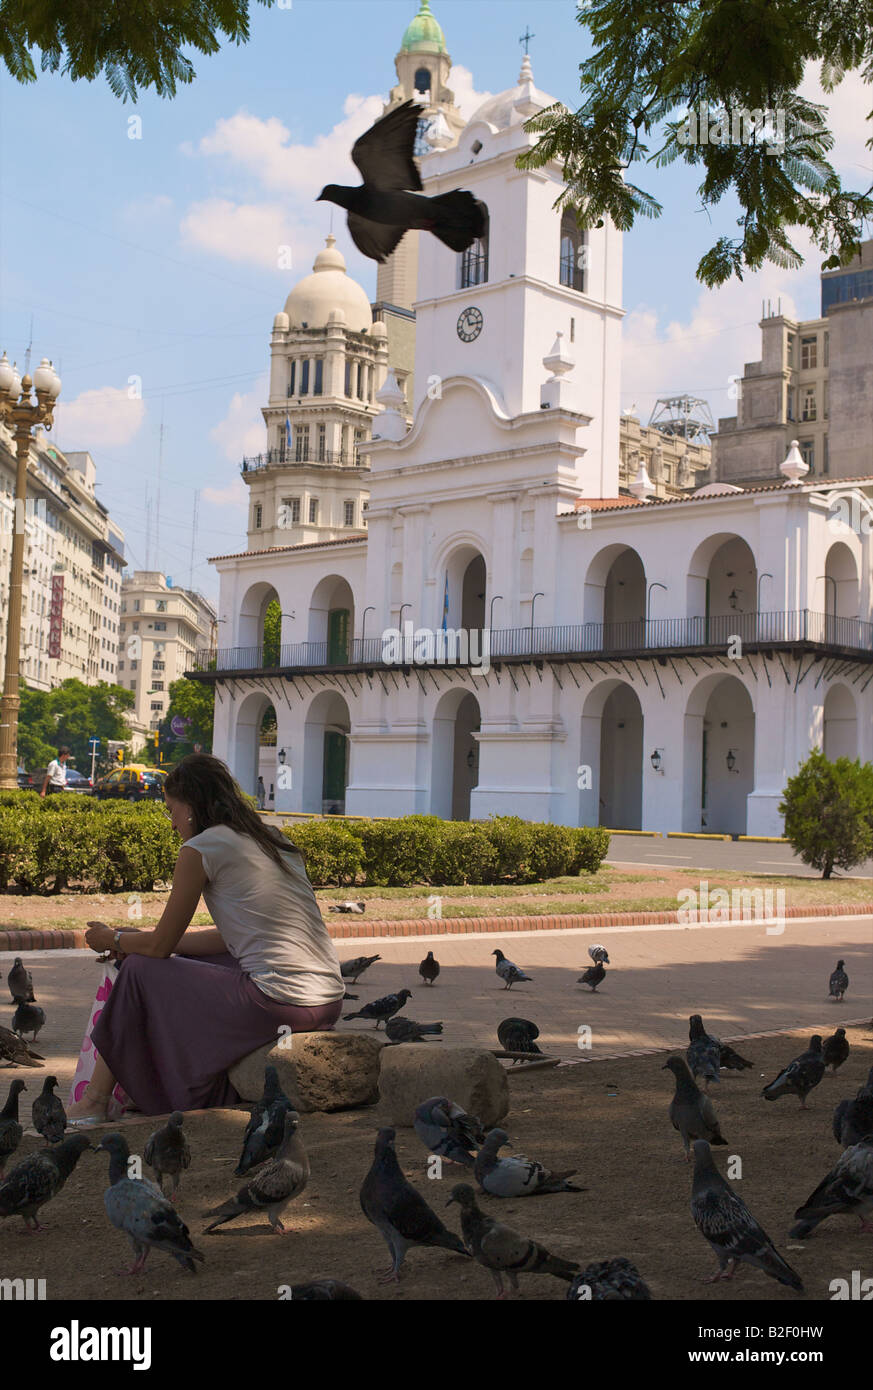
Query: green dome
[424, 35]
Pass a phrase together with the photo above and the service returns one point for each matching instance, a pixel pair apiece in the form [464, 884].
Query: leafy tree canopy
[136, 45]
[70, 714]
[656, 61]
[828, 810]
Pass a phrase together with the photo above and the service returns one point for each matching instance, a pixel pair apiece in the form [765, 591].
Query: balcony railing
[284, 458]
[653, 636]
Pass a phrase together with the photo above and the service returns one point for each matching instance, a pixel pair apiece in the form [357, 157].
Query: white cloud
[848, 106]
[106, 416]
[260, 234]
[234, 495]
[467, 99]
[240, 434]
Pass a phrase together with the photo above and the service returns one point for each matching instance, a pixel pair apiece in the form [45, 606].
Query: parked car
[76, 781]
[136, 782]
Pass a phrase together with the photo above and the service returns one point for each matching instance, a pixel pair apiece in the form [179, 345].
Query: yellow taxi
[135, 782]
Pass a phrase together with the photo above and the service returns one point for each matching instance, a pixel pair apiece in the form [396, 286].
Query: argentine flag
[446, 605]
[288, 433]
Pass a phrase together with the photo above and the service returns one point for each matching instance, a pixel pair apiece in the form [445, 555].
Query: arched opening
[326, 754]
[259, 628]
[614, 600]
[573, 252]
[331, 622]
[473, 595]
[474, 261]
[421, 81]
[841, 595]
[455, 755]
[462, 590]
[611, 758]
[840, 724]
[719, 756]
[254, 745]
[722, 592]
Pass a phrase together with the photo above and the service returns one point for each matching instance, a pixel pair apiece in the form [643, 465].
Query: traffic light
[119, 755]
[157, 736]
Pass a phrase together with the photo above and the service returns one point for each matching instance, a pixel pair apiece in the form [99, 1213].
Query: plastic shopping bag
[85, 1066]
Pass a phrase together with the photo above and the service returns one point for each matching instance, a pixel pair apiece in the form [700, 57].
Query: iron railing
[661, 636]
[275, 458]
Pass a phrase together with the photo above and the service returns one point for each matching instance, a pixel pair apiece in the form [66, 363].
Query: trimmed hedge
[47, 844]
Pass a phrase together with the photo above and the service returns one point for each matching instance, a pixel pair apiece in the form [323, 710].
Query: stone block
[317, 1071]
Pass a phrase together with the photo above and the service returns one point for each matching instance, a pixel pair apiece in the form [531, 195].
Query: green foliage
[653, 63]
[828, 810]
[590, 848]
[333, 855]
[70, 714]
[135, 46]
[48, 844]
[272, 633]
[463, 855]
[396, 852]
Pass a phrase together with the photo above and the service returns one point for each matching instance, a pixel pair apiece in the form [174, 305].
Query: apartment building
[161, 626]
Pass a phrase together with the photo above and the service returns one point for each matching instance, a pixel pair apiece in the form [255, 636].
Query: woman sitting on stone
[186, 1005]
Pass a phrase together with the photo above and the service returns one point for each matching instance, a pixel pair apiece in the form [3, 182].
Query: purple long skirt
[171, 1028]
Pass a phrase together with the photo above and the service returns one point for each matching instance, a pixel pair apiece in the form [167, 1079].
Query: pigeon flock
[275, 1168]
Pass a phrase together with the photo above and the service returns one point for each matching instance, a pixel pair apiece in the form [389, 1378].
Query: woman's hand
[100, 937]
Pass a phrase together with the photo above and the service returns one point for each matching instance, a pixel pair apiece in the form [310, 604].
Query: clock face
[469, 324]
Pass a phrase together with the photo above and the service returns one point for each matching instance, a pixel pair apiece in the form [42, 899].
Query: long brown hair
[205, 784]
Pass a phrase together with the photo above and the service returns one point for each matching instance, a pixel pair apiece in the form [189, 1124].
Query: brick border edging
[54, 939]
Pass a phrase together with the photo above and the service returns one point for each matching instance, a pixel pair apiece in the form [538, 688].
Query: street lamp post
[21, 414]
[533, 604]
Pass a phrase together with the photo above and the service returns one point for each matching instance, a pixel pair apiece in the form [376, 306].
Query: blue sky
[149, 263]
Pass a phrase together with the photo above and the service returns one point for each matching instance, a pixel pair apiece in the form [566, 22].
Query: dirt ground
[608, 1119]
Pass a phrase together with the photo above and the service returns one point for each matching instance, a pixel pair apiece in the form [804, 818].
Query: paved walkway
[737, 855]
[741, 980]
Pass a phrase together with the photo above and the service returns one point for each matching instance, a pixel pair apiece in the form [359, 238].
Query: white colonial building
[652, 662]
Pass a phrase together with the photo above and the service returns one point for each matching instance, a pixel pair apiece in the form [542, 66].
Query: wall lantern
[656, 760]
[731, 761]
[282, 756]
[471, 759]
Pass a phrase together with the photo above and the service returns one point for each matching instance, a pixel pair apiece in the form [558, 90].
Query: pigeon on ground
[447, 1130]
[703, 1053]
[800, 1076]
[406, 1030]
[266, 1127]
[382, 1009]
[381, 209]
[847, 1189]
[140, 1209]
[727, 1058]
[167, 1152]
[15, 1050]
[691, 1112]
[593, 976]
[348, 997]
[429, 968]
[28, 1018]
[839, 982]
[358, 908]
[500, 1249]
[324, 1291]
[48, 1114]
[835, 1049]
[509, 973]
[600, 956]
[38, 1178]
[515, 1175]
[20, 983]
[853, 1119]
[609, 1281]
[399, 1213]
[517, 1035]
[352, 969]
[274, 1187]
[10, 1126]
[724, 1220]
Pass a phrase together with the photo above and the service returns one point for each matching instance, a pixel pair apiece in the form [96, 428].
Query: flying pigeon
[445, 1129]
[406, 1030]
[839, 982]
[352, 969]
[847, 1189]
[593, 976]
[324, 1291]
[515, 1176]
[703, 1053]
[266, 1127]
[382, 1009]
[509, 973]
[274, 1187]
[140, 1209]
[517, 1035]
[399, 1213]
[167, 1152]
[429, 968]
[20, 983]
[800, 1076]
[691, 1112]
[48, 1114]
[599, 955]
[835, 1049]
[381, 209]
[15, 1050]
[609, 1281]
[28, 1018]
[357, 908]
[10, 1126]
[853, 1119]
[500, 1249]
[724, 1220]
[38, 1178]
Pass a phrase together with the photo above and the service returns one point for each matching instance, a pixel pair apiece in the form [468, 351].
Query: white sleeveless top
[270, 920]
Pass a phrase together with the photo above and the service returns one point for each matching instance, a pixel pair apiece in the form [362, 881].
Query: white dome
[516, 105]
[310, 302]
